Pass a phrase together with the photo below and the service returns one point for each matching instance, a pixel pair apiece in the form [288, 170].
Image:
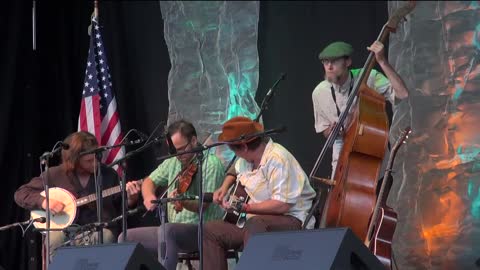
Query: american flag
[98, 112]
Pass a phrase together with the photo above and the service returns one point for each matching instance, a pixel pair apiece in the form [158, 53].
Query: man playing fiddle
[180, 235]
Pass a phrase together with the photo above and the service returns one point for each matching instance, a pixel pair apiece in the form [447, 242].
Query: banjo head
[62, 219]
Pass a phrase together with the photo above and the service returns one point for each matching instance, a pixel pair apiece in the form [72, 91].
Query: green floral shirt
[213, 175]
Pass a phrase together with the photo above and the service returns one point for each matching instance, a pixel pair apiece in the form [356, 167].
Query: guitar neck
[386, 177]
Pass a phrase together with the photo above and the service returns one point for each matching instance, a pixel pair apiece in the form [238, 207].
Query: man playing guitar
[279, 192]
[75, 175]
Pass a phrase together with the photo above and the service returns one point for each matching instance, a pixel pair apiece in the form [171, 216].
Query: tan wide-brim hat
[237, 127]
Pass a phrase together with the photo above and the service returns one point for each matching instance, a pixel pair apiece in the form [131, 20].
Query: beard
[333, 78]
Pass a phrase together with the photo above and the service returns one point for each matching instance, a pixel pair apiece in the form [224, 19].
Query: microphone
[39, 220]
[113, 221]
[207, 197]
[136, 210]
[261, 134]
[275, 130]
[142, 135]
[65, 146]
[268, 97]
[142, 138]
[270, 91]
[46, 155]
[130, 212]
[171, 148]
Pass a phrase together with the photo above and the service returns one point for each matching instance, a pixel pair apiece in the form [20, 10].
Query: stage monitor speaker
[335, 248]
[128, 256]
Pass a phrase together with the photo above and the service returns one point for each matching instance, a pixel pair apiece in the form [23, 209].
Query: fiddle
[185, 178]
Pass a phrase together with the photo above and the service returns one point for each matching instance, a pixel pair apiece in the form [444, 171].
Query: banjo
[67, 216]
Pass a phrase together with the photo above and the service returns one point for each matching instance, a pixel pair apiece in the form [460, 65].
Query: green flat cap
[336, 49]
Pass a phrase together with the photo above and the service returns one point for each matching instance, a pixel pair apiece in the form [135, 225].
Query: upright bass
[352, 195]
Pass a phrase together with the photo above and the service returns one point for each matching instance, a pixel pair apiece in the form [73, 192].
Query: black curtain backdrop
[41, 90]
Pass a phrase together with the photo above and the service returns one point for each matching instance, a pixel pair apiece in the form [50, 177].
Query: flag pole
[123, 181]
[98, 157]
[95, 9]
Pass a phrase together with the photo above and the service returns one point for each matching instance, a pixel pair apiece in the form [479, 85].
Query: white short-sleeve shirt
[280, 177]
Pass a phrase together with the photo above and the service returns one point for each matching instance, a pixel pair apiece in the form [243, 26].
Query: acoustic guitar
[384, 219]
[237, 195]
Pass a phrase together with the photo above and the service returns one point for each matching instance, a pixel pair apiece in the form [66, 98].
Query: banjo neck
[105, 193]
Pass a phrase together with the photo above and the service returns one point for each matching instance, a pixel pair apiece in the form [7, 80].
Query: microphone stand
[120, 162]
[263, 107]
[27, 222]
[92, 227]
[99, 193]
[162, 213]
[175, 199]
[44, 161]
[72, 234]
[101, 225]
[200, 148]
[199, 151]
[268, 97]
[200, 205]
[162, 210]
[123, 182]
[98, 180]
[163, 201]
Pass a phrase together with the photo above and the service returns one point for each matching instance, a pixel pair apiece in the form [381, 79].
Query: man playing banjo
[75, 175]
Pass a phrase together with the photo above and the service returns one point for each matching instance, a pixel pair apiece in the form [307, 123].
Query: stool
[194, 256]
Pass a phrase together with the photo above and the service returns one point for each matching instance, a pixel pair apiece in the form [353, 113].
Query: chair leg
[44, 252]
[189, 265]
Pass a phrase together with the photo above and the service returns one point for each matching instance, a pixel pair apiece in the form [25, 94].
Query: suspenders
[349, 91]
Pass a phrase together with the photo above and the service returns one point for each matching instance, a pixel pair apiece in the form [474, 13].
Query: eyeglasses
[183, 148]
[333, 61]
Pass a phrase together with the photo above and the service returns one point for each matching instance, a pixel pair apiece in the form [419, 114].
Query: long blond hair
[78, 142]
